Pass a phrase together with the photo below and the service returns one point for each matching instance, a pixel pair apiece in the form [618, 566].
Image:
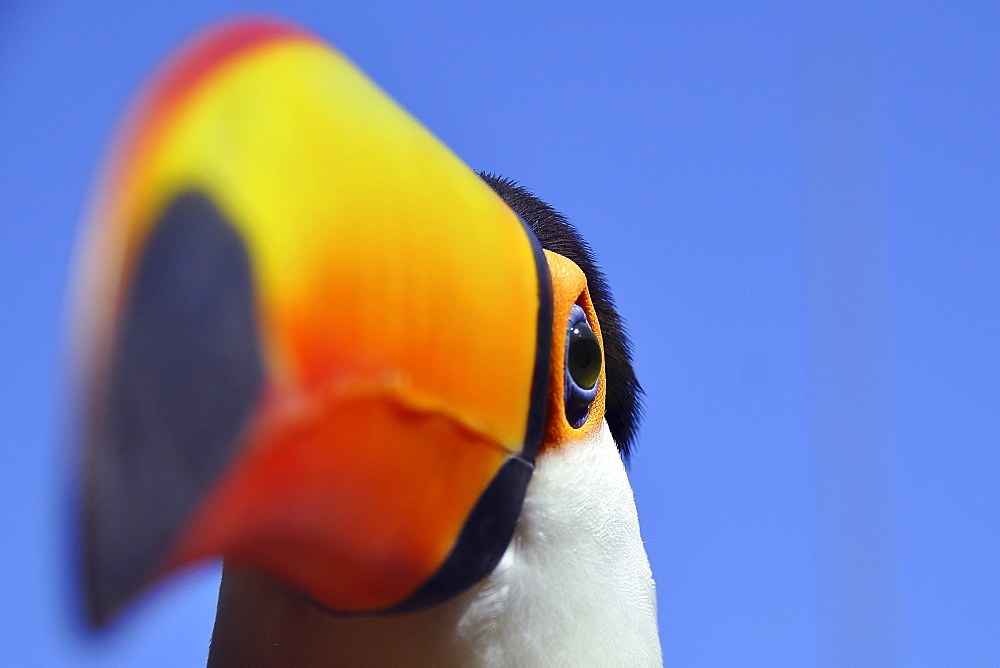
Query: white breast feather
[574, 588]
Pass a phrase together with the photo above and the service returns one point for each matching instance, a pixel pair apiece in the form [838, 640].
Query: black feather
[555, 233]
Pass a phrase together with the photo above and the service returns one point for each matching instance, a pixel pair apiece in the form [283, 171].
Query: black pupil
[584, 356]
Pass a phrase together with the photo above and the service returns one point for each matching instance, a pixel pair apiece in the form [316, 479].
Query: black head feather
[555, 233]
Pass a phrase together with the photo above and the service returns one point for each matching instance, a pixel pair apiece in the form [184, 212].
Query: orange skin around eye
[569, 287]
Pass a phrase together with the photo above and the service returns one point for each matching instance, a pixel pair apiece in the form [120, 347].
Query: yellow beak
[311, 339]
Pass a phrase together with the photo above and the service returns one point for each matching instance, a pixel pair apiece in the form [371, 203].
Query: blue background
[797, 207]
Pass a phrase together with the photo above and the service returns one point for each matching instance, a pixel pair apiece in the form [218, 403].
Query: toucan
[394, 395]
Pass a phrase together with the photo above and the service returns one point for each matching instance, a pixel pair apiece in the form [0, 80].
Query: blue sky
[797, 206]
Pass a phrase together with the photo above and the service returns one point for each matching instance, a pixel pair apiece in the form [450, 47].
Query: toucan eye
[583, 367]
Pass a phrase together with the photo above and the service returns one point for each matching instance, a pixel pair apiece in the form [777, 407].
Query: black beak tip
[182, 380]
[99, 612]
[104, 591]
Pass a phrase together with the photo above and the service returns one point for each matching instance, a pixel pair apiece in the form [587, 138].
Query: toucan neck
[262, 622]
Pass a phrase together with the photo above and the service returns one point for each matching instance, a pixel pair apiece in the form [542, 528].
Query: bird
[392, 393]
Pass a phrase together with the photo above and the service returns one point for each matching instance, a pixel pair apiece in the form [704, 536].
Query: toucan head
[312, 341]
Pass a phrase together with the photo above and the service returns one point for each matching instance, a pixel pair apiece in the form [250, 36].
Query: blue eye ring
[581, 367]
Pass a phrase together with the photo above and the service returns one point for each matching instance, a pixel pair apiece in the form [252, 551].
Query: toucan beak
[311, 340]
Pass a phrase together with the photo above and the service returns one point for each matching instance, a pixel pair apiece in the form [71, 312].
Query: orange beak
[310, 339]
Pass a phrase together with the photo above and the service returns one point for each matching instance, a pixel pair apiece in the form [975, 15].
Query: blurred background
[797, 207]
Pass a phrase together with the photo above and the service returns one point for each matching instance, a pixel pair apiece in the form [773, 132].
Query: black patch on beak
[183, 376]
